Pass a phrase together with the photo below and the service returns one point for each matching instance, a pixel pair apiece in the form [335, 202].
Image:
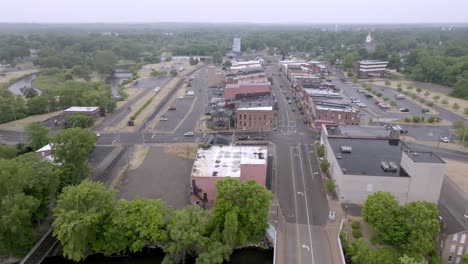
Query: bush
[379, 94]
[456, 106]
[356, 225]
[330, 185]
[431, 120]
[399, 89]
[430, 104]
[465, 111]
[413, 96]
[387, 82]
[418, 90]
[407, 119]
[444, 101]
[427, 93]
[324, 166]
[436, 97]
[409, 87]
[393, 103]
[321, 151]
[422, 101]
[357, 233]
[386, 99]
[416, 119]
[399, 85]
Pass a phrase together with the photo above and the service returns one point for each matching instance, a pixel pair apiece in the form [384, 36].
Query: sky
[222, 11]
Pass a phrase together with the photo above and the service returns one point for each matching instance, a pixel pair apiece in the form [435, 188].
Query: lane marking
[153, 135]
[295, 202]
[307, 207]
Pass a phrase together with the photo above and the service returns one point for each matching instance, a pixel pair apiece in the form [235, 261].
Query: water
[15, 87]
[155, 256]
[116, 79]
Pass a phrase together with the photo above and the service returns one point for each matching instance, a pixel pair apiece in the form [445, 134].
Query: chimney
[394, 134]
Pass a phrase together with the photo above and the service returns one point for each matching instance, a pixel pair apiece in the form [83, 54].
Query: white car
[361, 105]
[444, 139]
[163, 118]
[188, 134]
[180, 97]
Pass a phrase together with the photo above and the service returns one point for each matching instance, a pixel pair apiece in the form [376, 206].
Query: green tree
[421, 223]
[465, 111]
[227, 63]
[71, 148]
[37, 135]
[173, 72]
[321, 151]
[444, 101]
[217, 57]
[330, 185]
[186, 231]
[105, 61]
[240, 213]
[455, 106]
[134, 224]
[382, 211]
[427, 93]
[418, 90]
[80, 217]
[79, 120]
[324, 166]
[349, 59]
[465, 258]
[38, 105]
[7, 152]
[410, 260]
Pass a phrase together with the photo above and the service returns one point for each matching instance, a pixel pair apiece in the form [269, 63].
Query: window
[450, 258]
[463, 238]
[264, 117]
[452, 248]
[460, 250]
[458, 260]
[455, 237]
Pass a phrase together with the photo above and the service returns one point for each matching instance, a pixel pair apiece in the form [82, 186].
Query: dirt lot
[160, 175]
[456, 170]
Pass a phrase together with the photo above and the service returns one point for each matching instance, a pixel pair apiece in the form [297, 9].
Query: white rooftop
[45, 148]
[81, 109]
[257, 108]
[225, 161]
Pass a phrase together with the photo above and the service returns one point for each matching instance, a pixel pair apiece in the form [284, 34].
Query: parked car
[163, 118]
[424, 111]
[405, 110]
[188, 134]
[289, 102]
[180, 97]
[360, 91]
[368, 95]
[400, 96]
[444, 139]
[172, 109]
[361, 105]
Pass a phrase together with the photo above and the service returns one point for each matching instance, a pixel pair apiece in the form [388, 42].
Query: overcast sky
[254, 11]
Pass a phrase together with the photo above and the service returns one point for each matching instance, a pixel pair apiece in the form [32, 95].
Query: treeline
[29, 184]
[89, 219]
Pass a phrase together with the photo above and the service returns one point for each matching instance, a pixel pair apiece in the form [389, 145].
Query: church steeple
[369, 38]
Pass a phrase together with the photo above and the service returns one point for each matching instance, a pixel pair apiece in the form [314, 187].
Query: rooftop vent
[215, 173]
[393, 166]
[385, 166]
[346, 149]
[260, 156]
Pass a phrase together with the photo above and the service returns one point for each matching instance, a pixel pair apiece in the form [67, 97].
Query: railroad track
[41, 250]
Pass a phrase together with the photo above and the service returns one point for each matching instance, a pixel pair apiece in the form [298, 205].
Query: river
[155, 256]
[116, 79]
[15, 87]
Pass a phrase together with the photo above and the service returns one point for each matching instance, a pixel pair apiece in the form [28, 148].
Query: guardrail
[343, 261]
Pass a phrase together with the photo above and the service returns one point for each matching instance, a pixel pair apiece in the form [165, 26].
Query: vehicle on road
[445, 139]
[400, 96]
[281, 86]
[399, 128]
[180, 97]
[424, 111]
[188, 134]
[361, 105]
[289, 101]
[284, 92]
[172, 109]
[355, 101]
[163, 118]
[360, 91]
[368, 95]
[98, 135]
[405, 110]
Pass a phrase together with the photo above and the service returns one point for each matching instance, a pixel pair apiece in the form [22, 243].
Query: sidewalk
[333, 230]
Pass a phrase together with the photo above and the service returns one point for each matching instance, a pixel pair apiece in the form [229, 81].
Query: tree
[186, 231]
[324, 166]
[410, 260]
[7, 152]
[382, 211]
[105, 61]
[427, 93]
[321, 151]
[80, 215]
[217, 57]
[173, 72]
[79, 120]
[193, 61]
[418, 90]
[330, 185]
[349, 59]
[37, 135]
[421, 224]
[134, 224]
[455, 106]
[465, 258]
[38, 105]
[71, 148]
[240, 213]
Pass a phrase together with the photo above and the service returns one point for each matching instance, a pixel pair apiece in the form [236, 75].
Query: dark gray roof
[451, 225]
[367, 155]
[357, 131]
[422, 156]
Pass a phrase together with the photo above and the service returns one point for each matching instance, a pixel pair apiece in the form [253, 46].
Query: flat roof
[225, 161]
[81, 109]
[357, 131]
[422, 156]
[366, 156]
[45, 148]
[237, 85]
[256, 108]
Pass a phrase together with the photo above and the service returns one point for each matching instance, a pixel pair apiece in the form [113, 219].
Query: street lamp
[345, 211]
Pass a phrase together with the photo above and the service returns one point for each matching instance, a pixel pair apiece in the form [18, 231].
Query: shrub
[416, 119]
[386, 99]
[408, 119]
[357, 233]
[356, 225]
[393, 103]
[324, 166]
[427, 93]
[399, 85]
[436, 97]
[413, 96]
[379, 94]
[330, 185]
[405, 93]
[444, 101]
[456, 106]
[399, 89]
[418, 90]
[465, 111]
[430, 104]
[409, 87]
[422, 119]
[431, 120]
[422, 101]
[387, 82]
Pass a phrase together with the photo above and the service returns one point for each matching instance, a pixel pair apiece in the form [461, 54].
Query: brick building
[257, 118]
[219, 162]
[245, 90]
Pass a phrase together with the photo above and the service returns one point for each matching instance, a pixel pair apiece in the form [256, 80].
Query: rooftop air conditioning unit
[346, 149]
[385, 166]
[393, 166]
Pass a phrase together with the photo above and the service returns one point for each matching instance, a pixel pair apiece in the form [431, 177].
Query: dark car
[424, 111]
[243, 138]
[172, 109]
[405, 110]
[368, 95]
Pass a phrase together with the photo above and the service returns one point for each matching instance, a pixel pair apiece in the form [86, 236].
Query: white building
[236, 45]
[370, 68]
[362, 163]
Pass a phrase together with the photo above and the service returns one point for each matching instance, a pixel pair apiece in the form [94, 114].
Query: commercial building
[246, 90]
[219, 162]
[247, 78]
[257, 118]
[221, 119]
[370, 68]
[92, 111]
[215, 76]
[362, 164]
